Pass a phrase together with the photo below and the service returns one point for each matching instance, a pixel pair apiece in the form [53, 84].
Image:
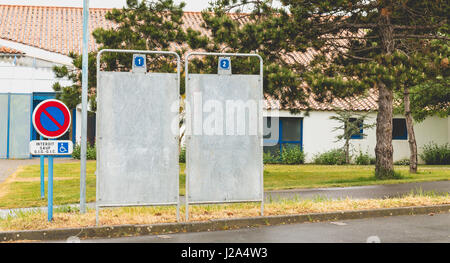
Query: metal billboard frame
[168, 53]
[260, 128]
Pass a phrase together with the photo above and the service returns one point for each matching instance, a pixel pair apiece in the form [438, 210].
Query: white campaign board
[137, 147]
[226, 167]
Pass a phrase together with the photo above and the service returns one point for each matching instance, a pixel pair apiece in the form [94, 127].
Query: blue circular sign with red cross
[51, 118]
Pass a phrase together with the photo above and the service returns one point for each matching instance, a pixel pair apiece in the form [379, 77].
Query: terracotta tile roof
[56, 29]
[59, 30]
[365, 102]
[9, 51]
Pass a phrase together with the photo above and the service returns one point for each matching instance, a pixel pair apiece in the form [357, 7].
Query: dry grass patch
[69, 218]
[4, 187]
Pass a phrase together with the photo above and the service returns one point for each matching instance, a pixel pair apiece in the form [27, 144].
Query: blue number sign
[139, 61]
[224, 64]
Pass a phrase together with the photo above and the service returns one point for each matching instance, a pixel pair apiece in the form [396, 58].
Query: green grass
[311, 176]
[24, 190]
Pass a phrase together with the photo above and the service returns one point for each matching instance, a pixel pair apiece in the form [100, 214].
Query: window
[291, 130]
[279, 134]
[399, 131]
[268, 129]
[360, 134]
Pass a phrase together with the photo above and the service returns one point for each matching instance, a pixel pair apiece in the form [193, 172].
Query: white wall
[38, 52]
[21, 78]
[432, 129]
[318, 135]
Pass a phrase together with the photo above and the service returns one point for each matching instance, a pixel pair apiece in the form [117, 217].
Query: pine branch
[402, 36]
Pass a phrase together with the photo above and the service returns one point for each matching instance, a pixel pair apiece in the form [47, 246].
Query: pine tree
[349, 125]
[362, 43]
[140, 25]
[369, 42]
[427, 87]
[252, 27]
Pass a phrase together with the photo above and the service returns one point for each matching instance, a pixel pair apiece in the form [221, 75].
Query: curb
[212, 225]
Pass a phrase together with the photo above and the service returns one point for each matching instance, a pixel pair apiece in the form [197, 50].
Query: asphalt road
[421, 228]
[361, 192]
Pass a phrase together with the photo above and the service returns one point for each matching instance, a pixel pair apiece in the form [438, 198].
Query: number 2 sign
[224, 66]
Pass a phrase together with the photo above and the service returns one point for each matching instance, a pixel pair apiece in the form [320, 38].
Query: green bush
[76, 152]
[182, 156]
[292, 154]
[332, 157]
[436, 154]
[91, 152]
[269, 158]
[363, 158]
[402, 162]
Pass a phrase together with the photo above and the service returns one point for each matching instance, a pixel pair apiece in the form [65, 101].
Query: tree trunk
[347, 152]
[384, 165]
[411, 135]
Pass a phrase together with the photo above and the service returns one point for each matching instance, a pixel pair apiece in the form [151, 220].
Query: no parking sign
[51, 119]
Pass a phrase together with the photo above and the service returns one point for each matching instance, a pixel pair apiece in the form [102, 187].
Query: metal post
[261, 128]
[97, 215]
[188, 129]
[84, 101]
[42, 157]
[178, 137]
[50, 188]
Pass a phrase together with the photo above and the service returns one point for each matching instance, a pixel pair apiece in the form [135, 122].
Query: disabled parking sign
[51, 147]
[63, 147]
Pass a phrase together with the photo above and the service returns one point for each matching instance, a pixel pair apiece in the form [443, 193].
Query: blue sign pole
[50, 188]
[42, 174]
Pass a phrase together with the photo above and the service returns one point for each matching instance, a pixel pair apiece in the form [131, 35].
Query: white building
[34, 39]
[26, 79]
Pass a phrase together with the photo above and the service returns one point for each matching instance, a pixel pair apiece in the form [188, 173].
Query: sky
[191, 5]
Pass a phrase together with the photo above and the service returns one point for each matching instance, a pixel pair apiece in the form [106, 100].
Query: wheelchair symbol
[63, 147]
